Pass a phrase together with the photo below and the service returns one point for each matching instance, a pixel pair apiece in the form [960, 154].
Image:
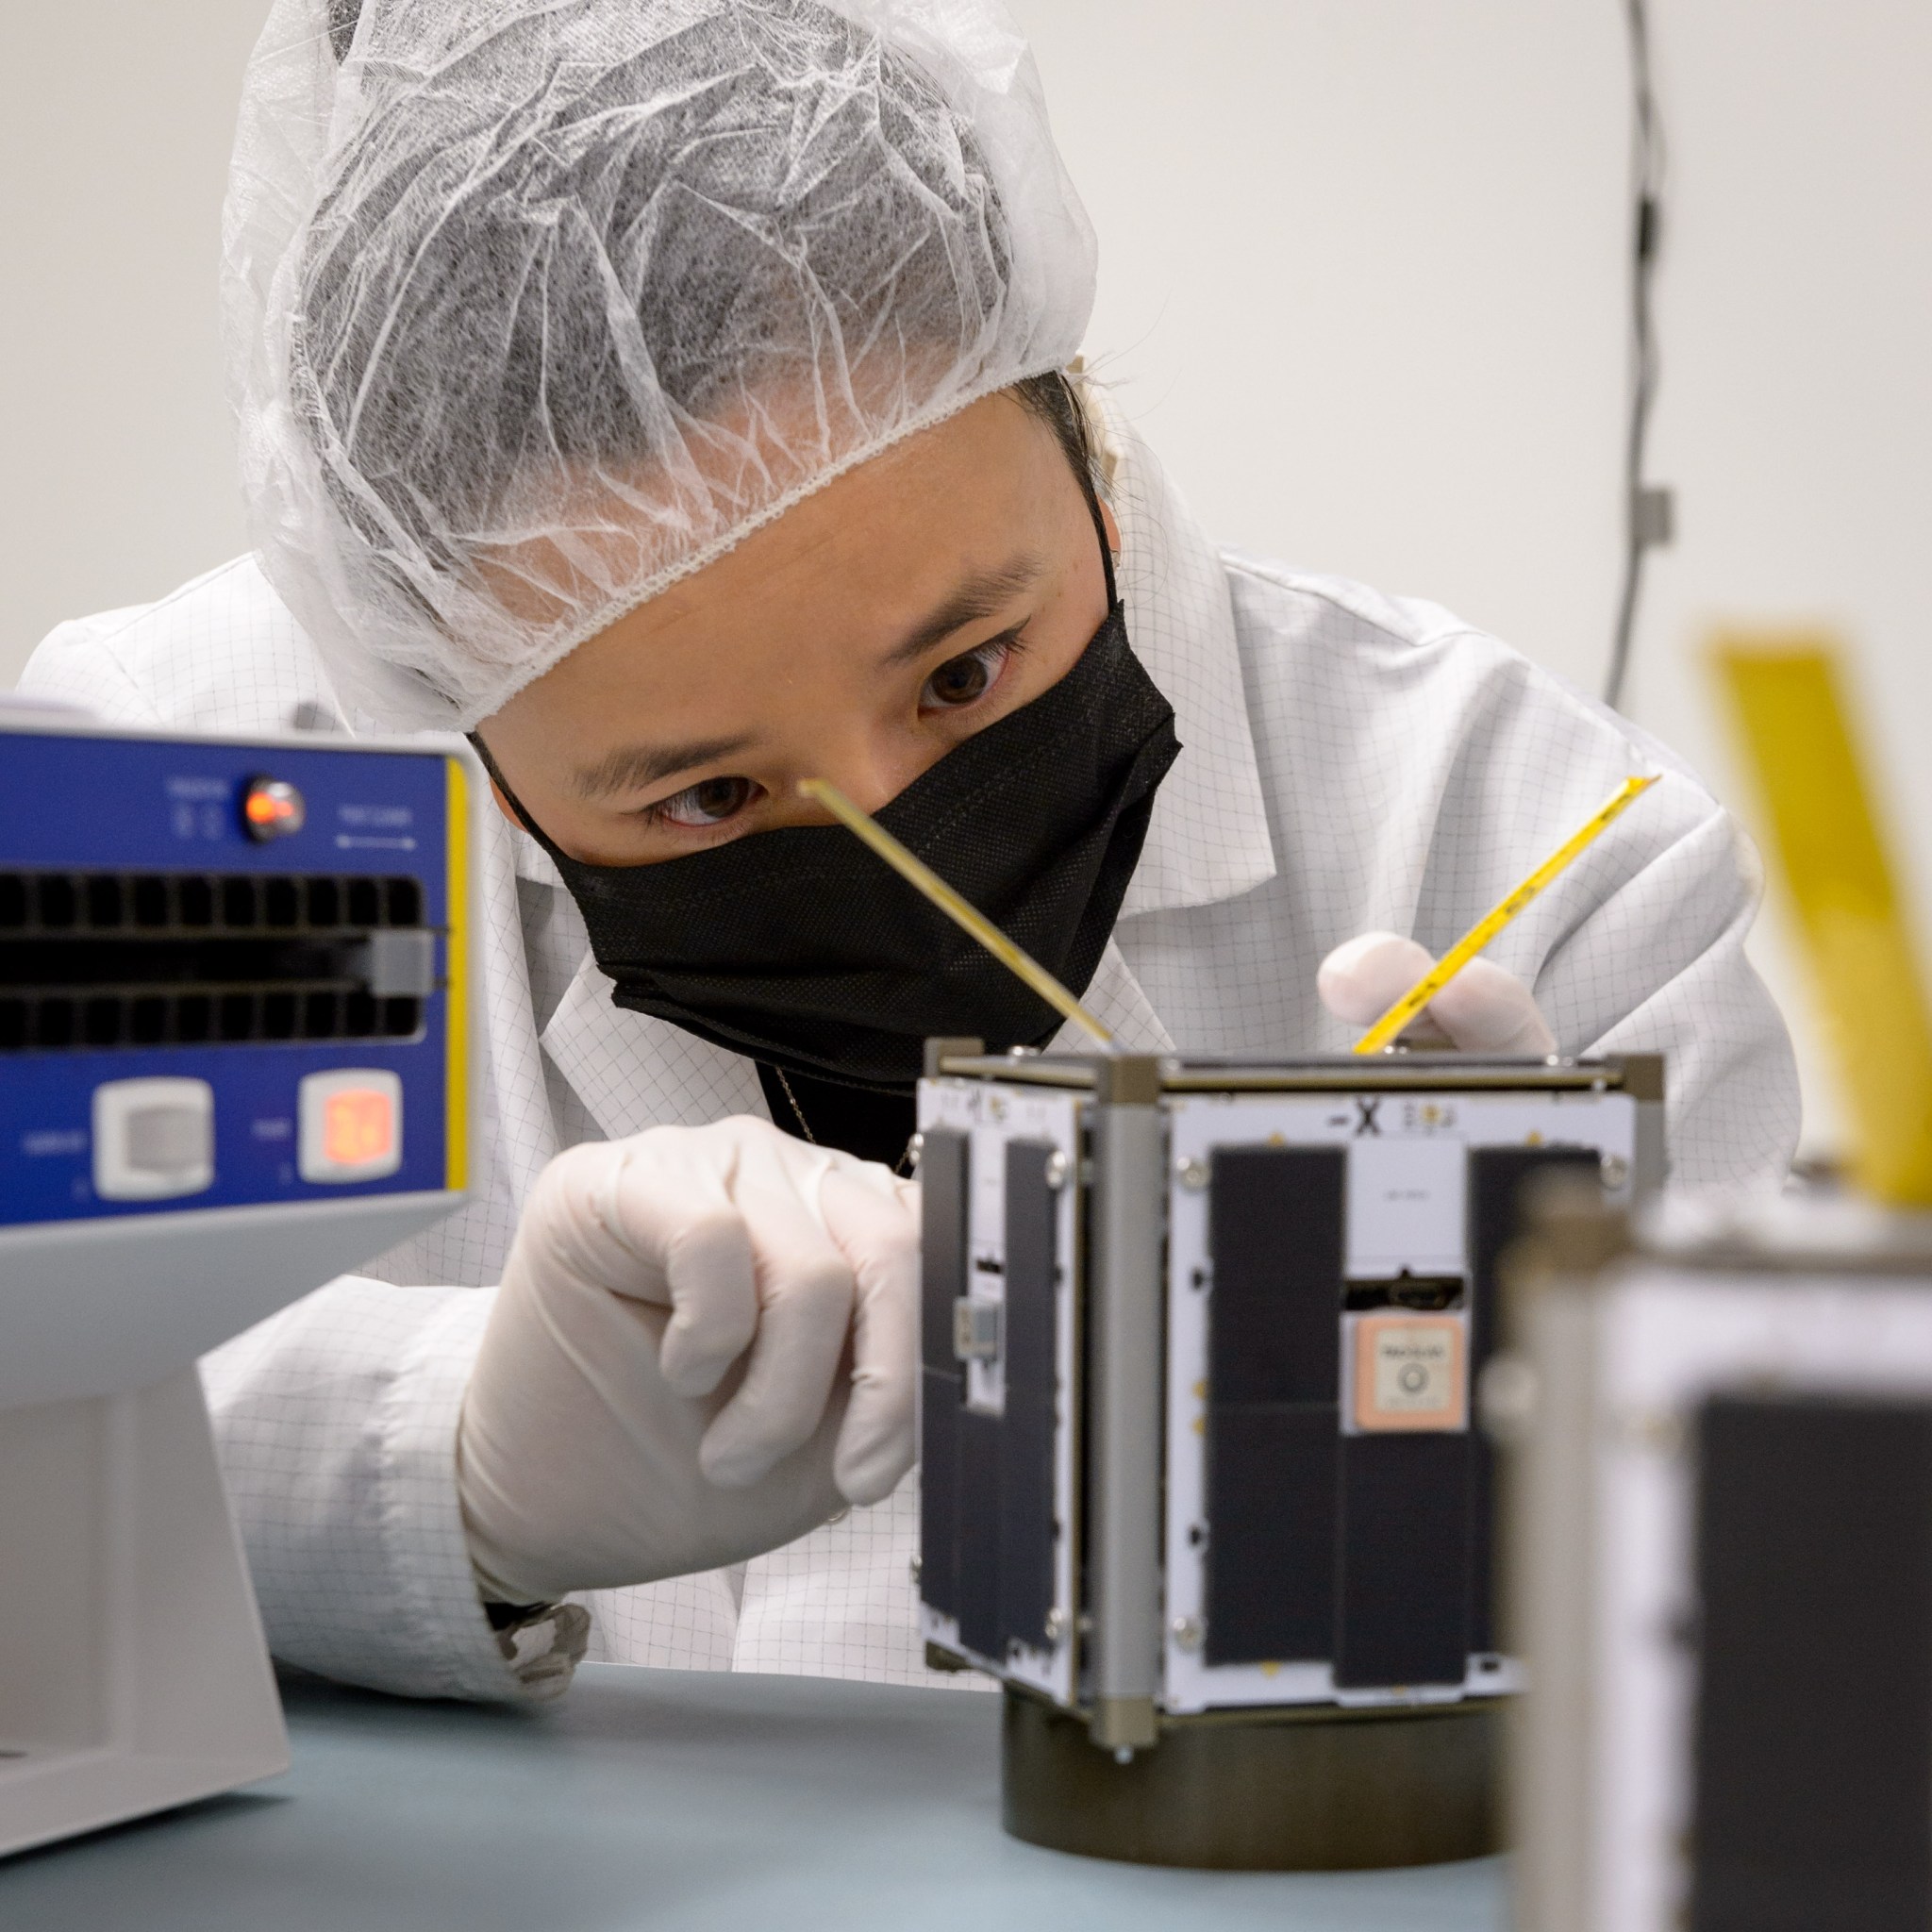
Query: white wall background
[1362, 282]
[116, 458]
[1359, 281]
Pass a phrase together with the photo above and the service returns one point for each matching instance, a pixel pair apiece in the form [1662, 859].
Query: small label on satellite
[1408, 1372]
[976, 1330]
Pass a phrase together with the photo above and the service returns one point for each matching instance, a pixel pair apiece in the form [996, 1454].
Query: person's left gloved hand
[1483, 1009]
[705, 1342]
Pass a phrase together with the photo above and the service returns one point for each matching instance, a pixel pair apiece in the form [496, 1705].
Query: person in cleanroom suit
[681, 398]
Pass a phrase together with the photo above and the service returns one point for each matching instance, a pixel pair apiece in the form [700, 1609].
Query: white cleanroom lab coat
[1350, 762]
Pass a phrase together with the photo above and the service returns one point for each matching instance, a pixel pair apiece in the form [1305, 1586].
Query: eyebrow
[638, 765]
[974, 597]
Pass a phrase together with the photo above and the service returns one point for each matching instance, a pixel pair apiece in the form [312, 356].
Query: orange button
[351, 1124]
[359, 1126]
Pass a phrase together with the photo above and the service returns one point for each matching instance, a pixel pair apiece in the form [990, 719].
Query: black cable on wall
[1647, 511]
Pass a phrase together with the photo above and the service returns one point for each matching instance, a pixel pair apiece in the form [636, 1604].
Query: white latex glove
[704, 1341]
[1483, 1009]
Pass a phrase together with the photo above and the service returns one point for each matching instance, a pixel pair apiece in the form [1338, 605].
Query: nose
[873, 769]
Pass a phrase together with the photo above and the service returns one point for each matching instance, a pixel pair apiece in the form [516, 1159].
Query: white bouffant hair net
[534, 306]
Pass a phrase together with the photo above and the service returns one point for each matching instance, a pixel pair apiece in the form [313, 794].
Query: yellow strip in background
[1786, 694]
[456, 953]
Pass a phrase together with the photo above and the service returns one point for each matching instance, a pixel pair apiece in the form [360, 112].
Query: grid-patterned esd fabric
[838, 1603]
[1354, 762]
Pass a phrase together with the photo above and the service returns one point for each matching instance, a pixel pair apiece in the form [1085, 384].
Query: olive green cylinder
[1321, 1790]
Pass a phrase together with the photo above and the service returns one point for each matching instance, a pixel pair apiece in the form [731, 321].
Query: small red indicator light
[272, 809]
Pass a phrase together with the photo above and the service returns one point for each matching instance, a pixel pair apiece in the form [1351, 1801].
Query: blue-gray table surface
[677, 1800]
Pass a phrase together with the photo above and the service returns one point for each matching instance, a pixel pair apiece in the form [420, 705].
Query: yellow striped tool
[1383, 1033]
[1785, 691]
[917, 872]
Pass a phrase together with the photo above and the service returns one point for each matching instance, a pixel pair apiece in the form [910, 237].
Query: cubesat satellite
[1201, 1486]
[1723, 1565]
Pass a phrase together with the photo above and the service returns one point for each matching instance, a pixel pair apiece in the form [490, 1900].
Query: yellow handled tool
[1825, 831]
[917, 872]
[1384, 1031]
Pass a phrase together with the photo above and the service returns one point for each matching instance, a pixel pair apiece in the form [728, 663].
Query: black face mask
[801, 948]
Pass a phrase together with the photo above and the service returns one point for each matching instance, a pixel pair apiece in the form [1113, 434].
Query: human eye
[710, 801]
[967, 678]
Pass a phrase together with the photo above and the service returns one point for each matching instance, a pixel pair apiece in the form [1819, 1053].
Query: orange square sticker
[1410, 1372]
[357, 1126]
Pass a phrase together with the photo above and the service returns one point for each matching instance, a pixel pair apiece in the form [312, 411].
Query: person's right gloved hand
[703, 1345]
[1483, 1009]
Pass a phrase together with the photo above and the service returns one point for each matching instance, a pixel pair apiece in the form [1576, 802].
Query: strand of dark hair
[1051, 399]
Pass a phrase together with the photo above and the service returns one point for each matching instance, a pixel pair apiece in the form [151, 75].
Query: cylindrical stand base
[1325, 1790]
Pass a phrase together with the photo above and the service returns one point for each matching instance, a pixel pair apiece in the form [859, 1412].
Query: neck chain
[902, 1167]
[798, 1111]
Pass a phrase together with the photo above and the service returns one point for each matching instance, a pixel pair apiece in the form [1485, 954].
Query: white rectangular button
[154, 1140]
